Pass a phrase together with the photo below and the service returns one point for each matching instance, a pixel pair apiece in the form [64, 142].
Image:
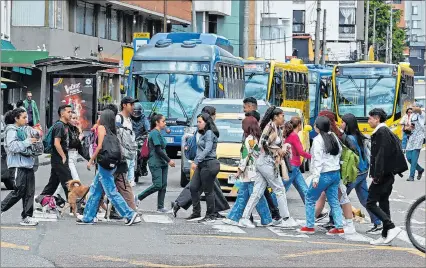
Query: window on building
[102, 22]
[85, 18]
[414, 38]
[298, 21]
[347, 22]
[396, 1]
[56, 14]
[414, 10]
[416, 53]
[213, 24]
[28, 13]
[114, 25]
[416, 24]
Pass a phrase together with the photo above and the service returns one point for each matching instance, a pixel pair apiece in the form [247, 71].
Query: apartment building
[415, 12]
[344, 29]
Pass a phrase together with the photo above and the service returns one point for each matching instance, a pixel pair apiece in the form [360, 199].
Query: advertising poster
[77, 92]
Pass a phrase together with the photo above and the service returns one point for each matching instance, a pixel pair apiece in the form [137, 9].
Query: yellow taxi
[303, 135]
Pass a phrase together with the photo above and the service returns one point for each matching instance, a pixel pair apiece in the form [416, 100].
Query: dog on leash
[50, 203]
[76, 192]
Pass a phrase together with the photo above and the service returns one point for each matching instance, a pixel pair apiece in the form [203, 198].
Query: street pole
[165, 16]
[194, 17]
[391, 34]
[1, 90]
[324, 39]
[285, 47]
[387, 45]
[246, 29]
[317, 32]
[367, 20]
[374, 32]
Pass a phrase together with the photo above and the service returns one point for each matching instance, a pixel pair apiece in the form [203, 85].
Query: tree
[382, 23]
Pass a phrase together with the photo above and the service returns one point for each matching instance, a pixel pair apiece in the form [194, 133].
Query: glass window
[89, 21]
[256, 85]
[80, 19]
[415, 10]
[28, 13]
[56, 14]
[114, 25]
[298, 21]
[416, 24]
[102, 17]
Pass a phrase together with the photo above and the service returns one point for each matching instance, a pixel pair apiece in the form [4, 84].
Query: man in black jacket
[385, 162]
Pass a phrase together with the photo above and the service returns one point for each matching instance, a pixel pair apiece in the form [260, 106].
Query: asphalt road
[164, 241]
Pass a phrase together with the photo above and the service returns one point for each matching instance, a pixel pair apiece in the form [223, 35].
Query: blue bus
[318, 75]
[172, 79]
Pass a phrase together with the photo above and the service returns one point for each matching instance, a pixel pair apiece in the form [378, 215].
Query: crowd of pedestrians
[341, 160]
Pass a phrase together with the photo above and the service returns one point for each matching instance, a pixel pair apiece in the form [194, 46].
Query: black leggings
[204, 179]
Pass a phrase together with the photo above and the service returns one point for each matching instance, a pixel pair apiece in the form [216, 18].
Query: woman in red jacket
[292, 128]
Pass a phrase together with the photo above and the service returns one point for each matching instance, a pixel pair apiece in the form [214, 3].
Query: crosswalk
[221, 228]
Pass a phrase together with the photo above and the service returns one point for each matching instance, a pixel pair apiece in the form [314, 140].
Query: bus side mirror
[307, 128]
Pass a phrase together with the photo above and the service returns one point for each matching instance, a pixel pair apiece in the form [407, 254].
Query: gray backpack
[126, 138]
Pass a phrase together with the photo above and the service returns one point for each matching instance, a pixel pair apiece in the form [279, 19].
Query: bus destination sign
[386, 71]
[254, 67]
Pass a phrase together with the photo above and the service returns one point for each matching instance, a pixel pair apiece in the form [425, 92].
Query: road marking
[18, 228]
[223, 228]
[280, 232]
[10, 245]
[157, 218]
[40, 216]
[149, 264]
[242, 238]
[320, 252]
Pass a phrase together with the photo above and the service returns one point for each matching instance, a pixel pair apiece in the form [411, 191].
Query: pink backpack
[145, 150]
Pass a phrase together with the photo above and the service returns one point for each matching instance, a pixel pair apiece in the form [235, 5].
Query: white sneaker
[379, 242]
[246, 223]
[137, 201]
[392, 233]
[230, 222]
[28, 221]
[137, 220]
[277, 222]
[289, 223]
[349, 228]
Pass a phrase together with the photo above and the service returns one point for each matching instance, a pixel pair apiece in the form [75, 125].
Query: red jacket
[296, 149]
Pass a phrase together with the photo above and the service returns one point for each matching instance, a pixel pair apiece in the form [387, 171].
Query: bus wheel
[184, 180]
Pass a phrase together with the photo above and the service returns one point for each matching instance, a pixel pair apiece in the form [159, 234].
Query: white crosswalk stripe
[40, 216]
[224, 228]
[164, 219]
[287, 233]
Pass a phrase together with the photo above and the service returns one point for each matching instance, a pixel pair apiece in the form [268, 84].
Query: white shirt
[127, 123]
[321, 161]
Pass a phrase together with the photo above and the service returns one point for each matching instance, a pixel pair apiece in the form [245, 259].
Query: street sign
[140, 39]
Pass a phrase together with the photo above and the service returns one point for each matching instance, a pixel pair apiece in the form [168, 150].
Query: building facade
[344, 29]
[415, 12]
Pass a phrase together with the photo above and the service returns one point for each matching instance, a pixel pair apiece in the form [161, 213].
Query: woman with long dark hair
[293, 127]
[326, 151]
[74, 145]
[104, 178]
[250, 151]
[206, 167]
[354, 139]
[158, 162]
[273, 150]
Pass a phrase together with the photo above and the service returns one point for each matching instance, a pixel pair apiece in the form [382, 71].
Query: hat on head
[127, 100]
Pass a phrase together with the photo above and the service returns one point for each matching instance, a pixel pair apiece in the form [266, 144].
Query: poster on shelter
[78, 93]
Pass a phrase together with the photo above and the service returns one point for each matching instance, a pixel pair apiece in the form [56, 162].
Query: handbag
[284, 170]
[110, 155]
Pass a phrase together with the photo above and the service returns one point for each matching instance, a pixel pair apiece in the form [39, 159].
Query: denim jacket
[206, 147]
[14, 147]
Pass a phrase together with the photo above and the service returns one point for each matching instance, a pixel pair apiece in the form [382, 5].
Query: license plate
[170, 139]
[232, 179]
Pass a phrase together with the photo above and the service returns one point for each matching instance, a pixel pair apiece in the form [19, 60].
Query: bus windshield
[256, 85]
[173, 95]
[360, 95]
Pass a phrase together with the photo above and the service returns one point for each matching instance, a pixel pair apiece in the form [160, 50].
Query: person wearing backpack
[107, 156]
[386, 160]
[24, 187]
[57, 143]
[158, 162]
[127, 106]
[355, 140]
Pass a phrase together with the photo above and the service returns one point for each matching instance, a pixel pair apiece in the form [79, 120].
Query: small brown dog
[76, 190]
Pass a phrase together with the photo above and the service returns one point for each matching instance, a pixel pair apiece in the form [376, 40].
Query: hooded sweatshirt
[14, 147]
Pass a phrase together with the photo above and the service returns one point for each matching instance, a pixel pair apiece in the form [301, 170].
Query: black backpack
[400, 164]
[110, 155]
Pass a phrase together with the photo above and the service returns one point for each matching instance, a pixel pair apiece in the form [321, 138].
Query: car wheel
[184, 180]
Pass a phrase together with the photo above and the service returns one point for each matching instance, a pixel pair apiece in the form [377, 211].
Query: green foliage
[106, 99]
[382, 22]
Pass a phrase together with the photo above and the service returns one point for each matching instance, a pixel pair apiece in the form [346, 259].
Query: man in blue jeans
[415, 142]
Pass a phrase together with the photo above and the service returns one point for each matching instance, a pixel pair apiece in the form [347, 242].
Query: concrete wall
[231, 26]
[221, 7]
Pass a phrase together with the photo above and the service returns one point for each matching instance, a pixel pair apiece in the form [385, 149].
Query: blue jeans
[361, 188]
[413, 159]
[131, 171]
[404, 140]
[296, 178]
[105, 179]
[244, 192]
[328, 182]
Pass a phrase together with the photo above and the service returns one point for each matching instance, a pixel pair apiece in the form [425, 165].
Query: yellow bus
[359, 87]
[281, 84]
